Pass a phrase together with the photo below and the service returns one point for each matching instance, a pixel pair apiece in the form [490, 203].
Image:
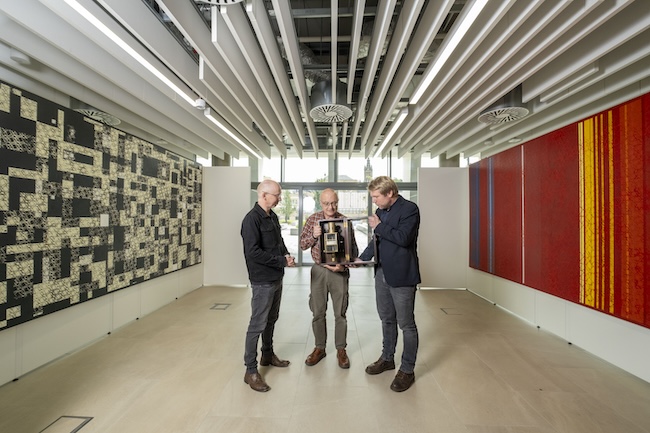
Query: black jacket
[264, 248]
[397, 237]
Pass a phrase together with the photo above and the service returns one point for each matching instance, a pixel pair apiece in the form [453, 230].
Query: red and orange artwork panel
[569, 212]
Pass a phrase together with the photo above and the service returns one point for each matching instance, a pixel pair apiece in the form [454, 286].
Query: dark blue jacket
[264, 247]
[397, 238]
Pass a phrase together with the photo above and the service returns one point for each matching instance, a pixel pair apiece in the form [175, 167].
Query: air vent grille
[93, 113]
[323, 110]
[100, 116]
[330, 113]
[503, 115]
[507, 109]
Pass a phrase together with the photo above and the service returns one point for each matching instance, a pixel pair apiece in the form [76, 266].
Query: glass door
[288, 214]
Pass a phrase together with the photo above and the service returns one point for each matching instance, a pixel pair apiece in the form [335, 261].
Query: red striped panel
[507, 179]
[551, 238]
[585, 232]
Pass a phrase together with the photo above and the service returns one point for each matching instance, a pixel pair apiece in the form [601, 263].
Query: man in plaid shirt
[326, 279]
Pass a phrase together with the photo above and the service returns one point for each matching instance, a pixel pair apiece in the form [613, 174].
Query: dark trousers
[396, 306]
[265, 310]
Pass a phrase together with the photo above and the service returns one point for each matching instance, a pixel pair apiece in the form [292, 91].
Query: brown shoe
[402, 381]
[274, 361]
[315, 356]
[344, 361]
[255, 381]
[380, 366]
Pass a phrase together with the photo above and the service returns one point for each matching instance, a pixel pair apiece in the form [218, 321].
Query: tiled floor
[180, 370]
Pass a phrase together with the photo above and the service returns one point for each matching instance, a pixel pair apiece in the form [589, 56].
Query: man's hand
[291, 261]
[317, 231]
[335, 268]
[357, 263]
[373, 221]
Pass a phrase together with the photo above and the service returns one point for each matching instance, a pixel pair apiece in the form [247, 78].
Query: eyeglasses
[330, 203]
[276, 195]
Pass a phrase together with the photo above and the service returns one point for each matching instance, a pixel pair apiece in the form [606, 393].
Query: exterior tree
[286, 207]
[317, 206]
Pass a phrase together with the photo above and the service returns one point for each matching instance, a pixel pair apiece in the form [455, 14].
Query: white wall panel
[480, 283]
[444, 211]
[33, 344]
[127, 306]
[52, 336]
[158, 292]
[189, 280]
[226, 200]
[518, 299]
[8, 355]
[551, 313]
[617, 341]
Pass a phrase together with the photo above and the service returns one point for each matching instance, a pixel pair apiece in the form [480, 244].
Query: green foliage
[317, 206]
[286, 206]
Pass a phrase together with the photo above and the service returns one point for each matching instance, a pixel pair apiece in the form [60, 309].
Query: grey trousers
[324, 282]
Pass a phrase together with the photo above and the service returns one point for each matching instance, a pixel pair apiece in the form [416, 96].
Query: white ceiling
[571, 58]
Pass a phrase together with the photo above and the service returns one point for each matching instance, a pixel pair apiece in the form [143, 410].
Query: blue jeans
[265, 310]
[396, 306]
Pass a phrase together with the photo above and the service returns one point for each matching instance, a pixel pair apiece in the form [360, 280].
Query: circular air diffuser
[503, 115]
[100, 116]
[330, 113]
[93, 113]
[323, 110]
[507, 109]
[219, 2]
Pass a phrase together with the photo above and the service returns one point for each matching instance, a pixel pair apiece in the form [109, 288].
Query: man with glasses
[326, 279]
[266, 257]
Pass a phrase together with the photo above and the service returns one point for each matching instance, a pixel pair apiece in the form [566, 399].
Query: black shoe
[402, 381]
[274, 361]
[380, 366]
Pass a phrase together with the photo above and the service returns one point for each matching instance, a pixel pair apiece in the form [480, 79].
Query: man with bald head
[266, 257]
[326, 279]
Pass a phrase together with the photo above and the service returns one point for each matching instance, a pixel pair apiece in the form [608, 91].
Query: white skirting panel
[30, 345]
[617, 341]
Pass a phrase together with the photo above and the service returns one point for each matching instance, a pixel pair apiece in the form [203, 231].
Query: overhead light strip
[208, 113]
[334, 34]
[393, 129]
[380, 31]
[129, 50]
[357, 22]
[449, 48]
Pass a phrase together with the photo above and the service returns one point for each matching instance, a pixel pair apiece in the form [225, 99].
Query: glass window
[401, 168]
[271, 168]
[242, 161]
[427, 161]
[310, 204]
[466, 161]
[409, 195]
[205, 162]
[354, 204]
[287, 211]
[357, 169]
[307, 169]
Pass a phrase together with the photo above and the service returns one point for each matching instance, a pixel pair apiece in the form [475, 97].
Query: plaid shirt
[307, 239]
